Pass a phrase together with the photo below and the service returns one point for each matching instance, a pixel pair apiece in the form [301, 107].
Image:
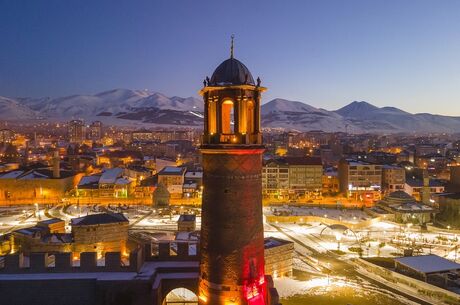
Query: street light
[37, 212]
[338, 237]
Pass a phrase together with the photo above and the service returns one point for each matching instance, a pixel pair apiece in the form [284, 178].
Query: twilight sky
[326, 53]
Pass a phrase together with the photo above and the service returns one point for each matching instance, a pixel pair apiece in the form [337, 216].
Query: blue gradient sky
[326, 53]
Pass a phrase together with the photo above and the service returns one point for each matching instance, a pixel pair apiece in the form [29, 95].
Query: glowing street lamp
[338, 238]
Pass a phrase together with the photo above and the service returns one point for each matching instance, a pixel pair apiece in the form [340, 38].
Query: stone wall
[35, 190]
[101, 237]
[279, 260]
[64, 263]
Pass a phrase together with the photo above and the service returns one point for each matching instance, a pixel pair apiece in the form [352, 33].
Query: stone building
[107, 232]
[186, 223]
[173, 178]
[46, 236]
[279, 257]
[36, 185]
[405, 208]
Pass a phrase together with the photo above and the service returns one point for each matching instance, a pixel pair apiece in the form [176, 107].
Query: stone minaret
[56, 162]
[232, 236]
[425, 193]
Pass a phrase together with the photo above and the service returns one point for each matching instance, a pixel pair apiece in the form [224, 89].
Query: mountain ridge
[144, 107]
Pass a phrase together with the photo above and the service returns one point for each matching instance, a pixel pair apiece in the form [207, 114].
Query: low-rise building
[120, 158]
[106, 232]
[186, 223]
[173, 178]
[393, 178]
[431, 268]
[292, 178]
[414, 187]
[275, 180]
[279, 257]
[193, 185]
[360, 180]
[111, 183]
[330, 181]
[41, 185]
[405, 209]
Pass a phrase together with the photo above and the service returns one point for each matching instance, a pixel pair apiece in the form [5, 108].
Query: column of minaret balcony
[221, 127]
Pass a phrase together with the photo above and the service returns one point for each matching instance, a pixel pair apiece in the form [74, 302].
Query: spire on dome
[231, 46]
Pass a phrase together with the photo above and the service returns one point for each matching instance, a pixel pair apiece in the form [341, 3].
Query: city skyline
[237, 153]
[326, 55]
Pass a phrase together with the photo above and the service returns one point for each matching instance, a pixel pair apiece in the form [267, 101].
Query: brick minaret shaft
[232, 241]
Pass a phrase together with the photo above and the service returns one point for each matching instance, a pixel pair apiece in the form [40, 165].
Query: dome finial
[231, 46]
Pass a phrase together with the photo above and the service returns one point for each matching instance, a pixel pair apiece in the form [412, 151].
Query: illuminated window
[212, 117]
[250, 117]
[227, 117]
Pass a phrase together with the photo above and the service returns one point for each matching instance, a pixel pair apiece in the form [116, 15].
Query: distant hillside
[146, 108]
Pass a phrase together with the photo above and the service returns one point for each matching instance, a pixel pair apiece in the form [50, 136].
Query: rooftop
[414, 182]
[50, 221]
[39, 173]
[194, 175]
[96, 219]
[428, 263]
[187, 217]
[110, 176]
[271, 242]
[231, 72]
[296, 161]
[172, 170]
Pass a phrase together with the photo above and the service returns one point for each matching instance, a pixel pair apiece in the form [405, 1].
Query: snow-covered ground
[351, 216]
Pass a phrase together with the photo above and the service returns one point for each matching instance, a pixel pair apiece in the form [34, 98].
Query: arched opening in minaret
[250, 117]
[181, 296]
[212, 128]
[228, 117]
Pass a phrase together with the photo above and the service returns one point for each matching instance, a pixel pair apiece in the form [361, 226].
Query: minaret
[232, 236]
[425, 193]
[56, 161]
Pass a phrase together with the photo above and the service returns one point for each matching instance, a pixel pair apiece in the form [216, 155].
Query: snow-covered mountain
[364, 116]
[119, 106]
[142, 107]
[292, 115]
[11, 109]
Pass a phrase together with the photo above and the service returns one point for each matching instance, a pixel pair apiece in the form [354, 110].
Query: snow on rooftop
[172, 170]
[194, 175]
[111, 175]
[428, 263]
[122, 181]
[12, 175]
[89, 179]
[34, 175]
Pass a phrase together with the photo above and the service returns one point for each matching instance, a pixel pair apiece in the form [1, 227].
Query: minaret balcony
[232, 139]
